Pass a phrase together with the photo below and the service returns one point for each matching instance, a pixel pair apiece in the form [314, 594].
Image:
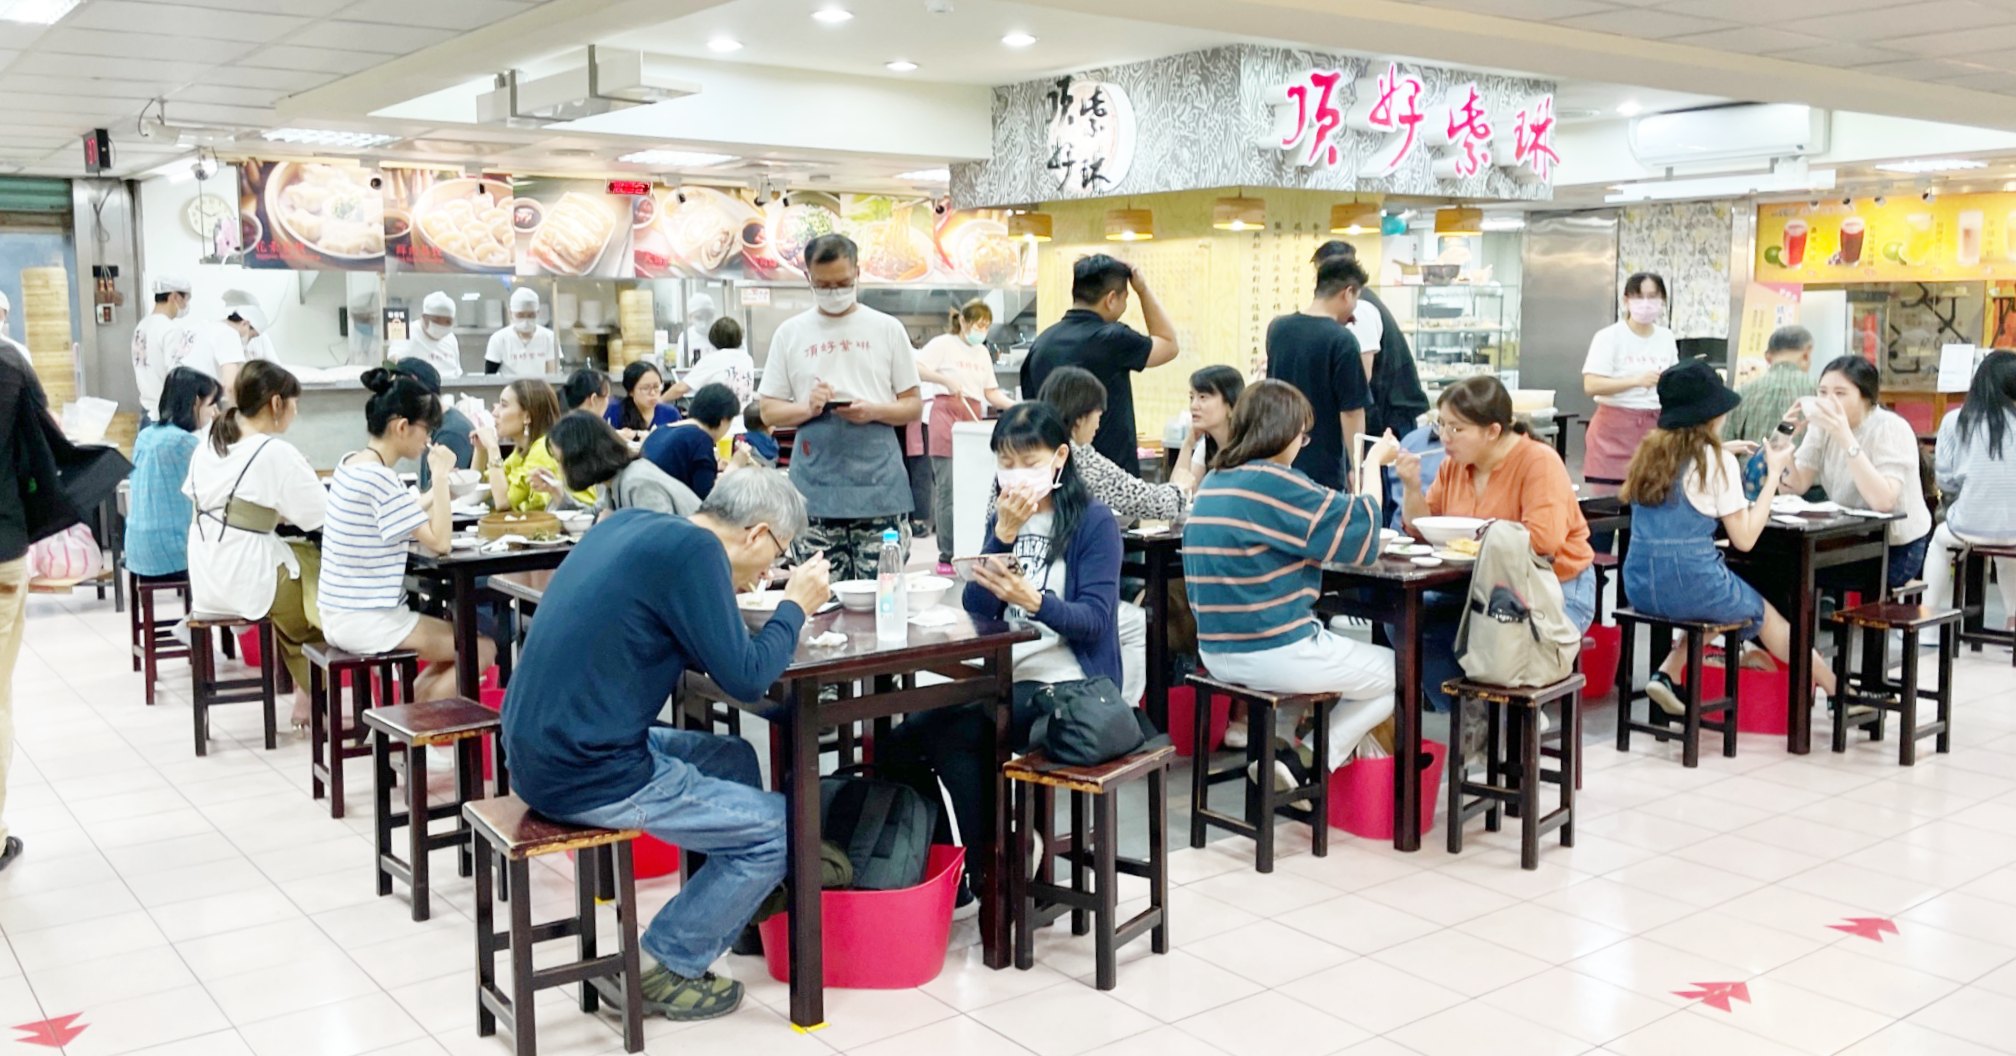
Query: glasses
[782, 550]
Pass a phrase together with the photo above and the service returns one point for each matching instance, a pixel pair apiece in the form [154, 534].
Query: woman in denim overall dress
[1682, 485]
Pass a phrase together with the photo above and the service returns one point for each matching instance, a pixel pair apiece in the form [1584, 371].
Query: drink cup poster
[1903, 238]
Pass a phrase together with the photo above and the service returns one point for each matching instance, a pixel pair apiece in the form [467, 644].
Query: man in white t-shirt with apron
[846, 376]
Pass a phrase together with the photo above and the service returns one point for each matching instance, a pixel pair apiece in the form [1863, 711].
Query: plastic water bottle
[892, 593]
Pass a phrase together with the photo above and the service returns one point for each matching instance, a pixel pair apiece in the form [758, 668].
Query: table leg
[1407, 728]
[801, 793]
[994, 911]
[468, 680]
[1799, 724]
[1158, 641]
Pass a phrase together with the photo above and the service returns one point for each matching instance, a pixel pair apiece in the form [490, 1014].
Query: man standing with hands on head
[1314, 351]
[1092, 336]
[845, 375]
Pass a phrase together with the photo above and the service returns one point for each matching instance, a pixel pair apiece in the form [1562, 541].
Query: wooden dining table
[459, 571]
[1156, 556]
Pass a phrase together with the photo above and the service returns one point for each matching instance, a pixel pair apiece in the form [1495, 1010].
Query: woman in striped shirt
[1259, 533]
[371, 517]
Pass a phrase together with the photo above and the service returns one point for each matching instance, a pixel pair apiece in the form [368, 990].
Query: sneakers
[1664, 693]
[1235, 735]
[669, 994]
[10, 851]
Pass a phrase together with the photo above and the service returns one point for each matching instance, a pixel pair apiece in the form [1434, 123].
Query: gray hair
[1789, 339]
[755, 495]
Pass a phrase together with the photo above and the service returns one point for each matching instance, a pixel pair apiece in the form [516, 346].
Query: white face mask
[1042, 480]
[835, 300]
[524, 326]
[435, 331]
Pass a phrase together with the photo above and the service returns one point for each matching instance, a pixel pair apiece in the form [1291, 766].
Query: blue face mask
[976, 337]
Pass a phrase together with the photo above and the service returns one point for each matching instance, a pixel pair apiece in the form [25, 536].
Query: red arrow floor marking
[1867, 927]
[1717, 995]
[55, 1033]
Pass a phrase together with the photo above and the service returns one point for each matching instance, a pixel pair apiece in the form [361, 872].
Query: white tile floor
[207, 907]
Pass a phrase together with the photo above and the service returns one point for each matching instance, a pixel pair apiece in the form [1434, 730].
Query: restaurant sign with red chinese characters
[1254, 116]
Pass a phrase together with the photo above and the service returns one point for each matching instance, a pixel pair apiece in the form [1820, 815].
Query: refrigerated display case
[1458, 331]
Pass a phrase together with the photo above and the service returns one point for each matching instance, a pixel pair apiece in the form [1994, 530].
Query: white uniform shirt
[204, 346]
[523, 357]
[1367, 327]
[726, 366]
[445, 354]
[150, 363]
[1616, 352]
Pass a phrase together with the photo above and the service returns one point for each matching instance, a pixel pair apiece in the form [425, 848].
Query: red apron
[1614, 435]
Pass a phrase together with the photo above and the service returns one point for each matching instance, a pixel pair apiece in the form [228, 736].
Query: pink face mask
[1646, 311]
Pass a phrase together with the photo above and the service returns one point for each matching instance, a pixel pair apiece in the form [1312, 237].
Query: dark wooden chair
[513, 831]
[456, 721]
[209, 690]
[329, 670]
[1606, 565]
[1514, 771]
[1263, 800]
[151, 642]
[1035, 781]
[1697, 634]
[1872, 687]
[1970, 579]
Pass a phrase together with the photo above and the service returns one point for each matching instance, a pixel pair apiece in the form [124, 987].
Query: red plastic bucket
[1600, 651]
[1764, 703]
[248, 647]
[1361, 794]
[1183, 717]
[879, 940]
[651, 857]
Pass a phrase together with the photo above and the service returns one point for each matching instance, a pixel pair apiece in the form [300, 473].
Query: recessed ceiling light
[833, 16]
[926, 176]
[676, 159]
[724, 45]
[1924, 165]
[900, 66]
[318, 137]
[1018, 39]
[1630, 108]
[37, 12]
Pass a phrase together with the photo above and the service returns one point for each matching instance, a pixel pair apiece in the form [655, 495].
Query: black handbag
[1085, 722]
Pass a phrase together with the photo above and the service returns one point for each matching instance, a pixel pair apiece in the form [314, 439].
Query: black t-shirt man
[1319, 356]
[1112, 352]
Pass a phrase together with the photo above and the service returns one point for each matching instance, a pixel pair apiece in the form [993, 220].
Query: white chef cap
[438, 303]
[170, 284]
[524, 298]
[253, 317]
[701, 305]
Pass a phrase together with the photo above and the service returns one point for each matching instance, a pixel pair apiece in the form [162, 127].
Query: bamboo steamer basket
[45, 315]
[530, 524]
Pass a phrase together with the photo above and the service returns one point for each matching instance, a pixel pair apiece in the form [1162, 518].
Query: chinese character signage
[1258, 116]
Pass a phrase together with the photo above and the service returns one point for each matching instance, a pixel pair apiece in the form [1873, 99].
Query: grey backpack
[1515, 629]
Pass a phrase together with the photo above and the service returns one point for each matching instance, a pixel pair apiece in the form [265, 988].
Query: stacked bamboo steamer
[636, 317]
[45, 315]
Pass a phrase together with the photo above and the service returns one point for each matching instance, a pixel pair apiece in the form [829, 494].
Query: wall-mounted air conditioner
[1720, 134]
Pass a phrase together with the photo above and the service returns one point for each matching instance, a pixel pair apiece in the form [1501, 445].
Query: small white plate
[1427, 562]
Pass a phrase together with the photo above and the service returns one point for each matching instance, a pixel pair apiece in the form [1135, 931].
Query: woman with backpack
[1682, 485]
[1495, 470]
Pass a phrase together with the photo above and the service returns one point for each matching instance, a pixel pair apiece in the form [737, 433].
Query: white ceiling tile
[1917, 70]
[86, 86]
[226, 95]
[1530, 10]
[68, 40]
[1956, 42]
[219, 114]
[1776, 12]
[277, 80]
[379, 37]
[132, 16]
[54, 65]
[1750, 40]
[325, 60]
[12, 103]
[1650, 25]
[1995, 61]
[1839, 54]
[2003, 83]
[451, 14]
[306, 8]
[1880, 27]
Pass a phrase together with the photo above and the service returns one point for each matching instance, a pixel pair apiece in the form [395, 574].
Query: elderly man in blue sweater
[643, 599]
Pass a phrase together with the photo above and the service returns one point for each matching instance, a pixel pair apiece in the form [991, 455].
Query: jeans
[13, 620]
[951, 745]
[1442, 611]
[705, 795]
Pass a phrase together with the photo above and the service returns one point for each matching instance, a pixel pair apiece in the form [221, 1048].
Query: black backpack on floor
[885, 828]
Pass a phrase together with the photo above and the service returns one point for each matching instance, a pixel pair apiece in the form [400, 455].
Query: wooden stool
[1606, 565]
[1513, 771]
[1969, 580]
[210, 691]
[513, 831]
[151, 642]
[1872, 687]
[1263, 801]
[327, 669]
[1695, 720]
[416, 727]
[1040, 901]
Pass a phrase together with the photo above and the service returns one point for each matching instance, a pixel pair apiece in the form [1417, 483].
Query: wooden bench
[209, 691]
[1513, 767]
[455, 721]
[151, 640]
[329, 670]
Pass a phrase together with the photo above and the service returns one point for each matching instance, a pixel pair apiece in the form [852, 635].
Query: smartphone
[962, 567]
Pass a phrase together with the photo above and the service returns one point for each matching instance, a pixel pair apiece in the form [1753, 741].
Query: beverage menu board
[1903, 238]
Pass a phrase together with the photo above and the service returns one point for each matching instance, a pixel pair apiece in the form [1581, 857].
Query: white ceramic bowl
[758, 607]
[576, 522]
[465, 483]
[927, 590]
[1439, 530]
[856, 595]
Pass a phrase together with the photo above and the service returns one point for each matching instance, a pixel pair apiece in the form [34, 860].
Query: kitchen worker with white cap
[700, 315]
[6, 309]
[435, 339]
[524, 349]
[207, 341]
[261, 344]
[150, 356]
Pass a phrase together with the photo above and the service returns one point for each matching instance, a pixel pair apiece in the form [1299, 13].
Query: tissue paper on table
[828, 640]
[936, 616]
[1795, 504]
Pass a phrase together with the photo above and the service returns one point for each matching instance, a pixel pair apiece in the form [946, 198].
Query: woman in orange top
[1496, 471]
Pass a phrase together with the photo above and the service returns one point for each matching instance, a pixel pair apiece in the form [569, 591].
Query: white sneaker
[1235, 736]
[1284, 779]
[179, 630]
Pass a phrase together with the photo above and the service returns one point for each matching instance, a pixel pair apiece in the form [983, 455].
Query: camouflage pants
[854, 546]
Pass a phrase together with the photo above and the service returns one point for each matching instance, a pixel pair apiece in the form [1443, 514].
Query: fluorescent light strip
[676, 159]
[317, 137]
[1921, 166]
[833, 16]
[724, 45]
[36, 12]
[926, 176]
